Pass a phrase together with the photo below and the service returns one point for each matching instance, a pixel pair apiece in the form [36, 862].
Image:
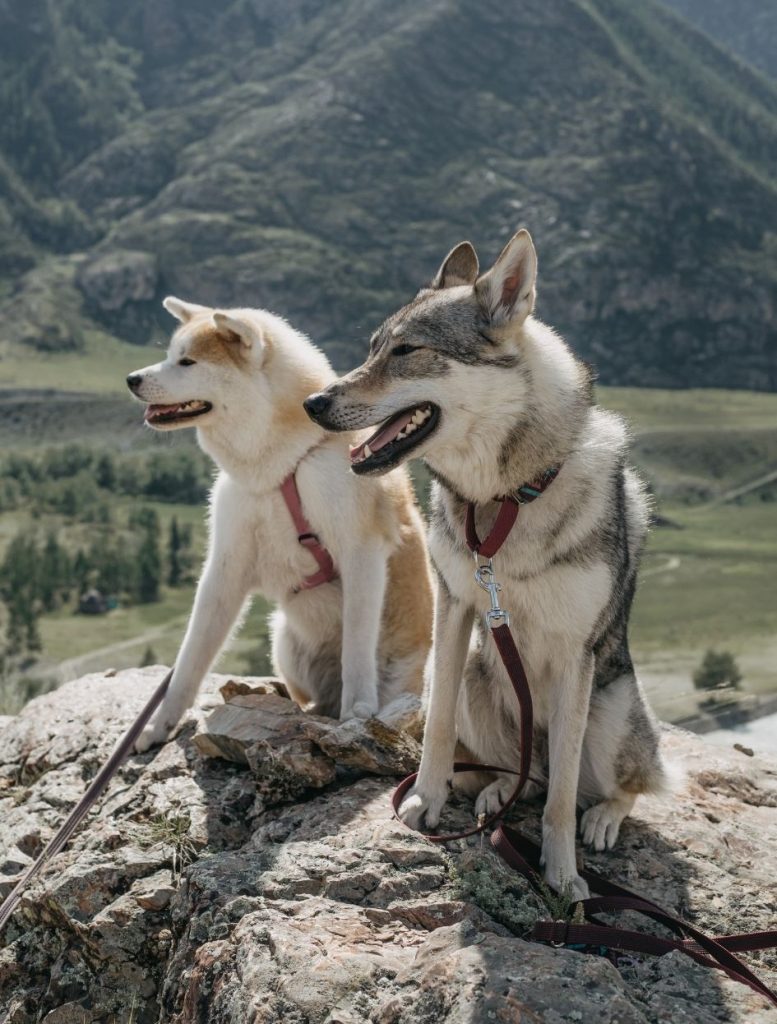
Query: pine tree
[54, 573]
[718, 670]
[106, 472]
[149, 561]
[149, 658]
[173, 554]
[19, 588]
[81, 571]
[32, 638]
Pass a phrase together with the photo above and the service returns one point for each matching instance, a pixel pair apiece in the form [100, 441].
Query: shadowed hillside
[746, 27]
[320, 158]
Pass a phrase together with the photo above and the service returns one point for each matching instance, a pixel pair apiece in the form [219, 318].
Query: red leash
[93, 791]
[523, 855]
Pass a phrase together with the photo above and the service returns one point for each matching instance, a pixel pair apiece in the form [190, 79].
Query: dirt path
[738, 492]
[72, 668]
[672, 562]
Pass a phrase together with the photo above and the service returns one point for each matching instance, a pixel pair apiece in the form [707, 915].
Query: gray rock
[204, 889]
[371, 745]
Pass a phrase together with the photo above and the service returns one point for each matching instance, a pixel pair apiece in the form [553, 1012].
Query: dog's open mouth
[395, 438]
[157, 415]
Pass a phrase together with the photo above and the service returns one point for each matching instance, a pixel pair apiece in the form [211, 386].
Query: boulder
[249, 870]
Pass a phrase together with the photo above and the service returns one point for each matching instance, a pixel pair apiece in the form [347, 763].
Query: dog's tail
[670, 776]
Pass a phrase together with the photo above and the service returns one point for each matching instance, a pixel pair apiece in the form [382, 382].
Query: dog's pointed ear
[181, 310]
[507, 291]
[460, 266]
[249, 333]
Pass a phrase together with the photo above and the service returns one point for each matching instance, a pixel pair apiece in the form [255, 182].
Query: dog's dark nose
[134, 380]
[316, 405]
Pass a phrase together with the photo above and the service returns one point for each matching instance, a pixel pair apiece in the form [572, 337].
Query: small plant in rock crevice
[170, 831]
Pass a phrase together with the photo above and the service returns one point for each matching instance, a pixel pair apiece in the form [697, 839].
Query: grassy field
[709, 584]
[707, 580]
[100, 366]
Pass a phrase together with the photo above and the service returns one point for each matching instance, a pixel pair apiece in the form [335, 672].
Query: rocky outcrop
[250, 871]
[111, 280]
[120, 287]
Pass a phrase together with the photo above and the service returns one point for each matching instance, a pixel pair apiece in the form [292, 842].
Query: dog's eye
[405, 350]
[186, 362]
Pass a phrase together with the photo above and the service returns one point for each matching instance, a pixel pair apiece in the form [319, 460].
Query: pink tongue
[388, 433]
[154, 410]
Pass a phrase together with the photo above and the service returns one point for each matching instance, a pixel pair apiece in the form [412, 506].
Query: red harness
[524, 855]
[309, 540]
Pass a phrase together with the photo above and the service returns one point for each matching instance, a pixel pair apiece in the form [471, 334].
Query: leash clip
[485, 578]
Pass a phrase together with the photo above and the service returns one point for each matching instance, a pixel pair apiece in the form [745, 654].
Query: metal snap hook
[486, 579]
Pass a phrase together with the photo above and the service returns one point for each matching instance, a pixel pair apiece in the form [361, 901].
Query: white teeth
[401, 434]
[418, 418]
[410, 428]
[367, 451]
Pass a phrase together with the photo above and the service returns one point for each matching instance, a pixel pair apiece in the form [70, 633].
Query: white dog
[346, 639]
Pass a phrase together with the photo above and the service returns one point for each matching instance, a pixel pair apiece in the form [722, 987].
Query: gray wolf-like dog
[346, 647]
[466, 378]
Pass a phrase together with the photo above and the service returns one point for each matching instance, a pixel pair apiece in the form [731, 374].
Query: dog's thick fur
[348, 646]
[510, 400]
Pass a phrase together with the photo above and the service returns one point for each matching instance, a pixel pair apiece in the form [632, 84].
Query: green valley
[707, 579]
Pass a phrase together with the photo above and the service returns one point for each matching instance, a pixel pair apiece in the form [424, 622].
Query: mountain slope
[321, 160]
[746, 27]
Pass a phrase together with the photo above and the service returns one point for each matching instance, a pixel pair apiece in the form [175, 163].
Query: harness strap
[523, 855]
[309, 540]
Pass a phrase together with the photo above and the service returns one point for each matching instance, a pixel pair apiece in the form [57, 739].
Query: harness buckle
[485, 578]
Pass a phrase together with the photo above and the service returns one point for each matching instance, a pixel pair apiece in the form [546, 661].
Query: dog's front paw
[361, 709]
[573, 887]
[558, 860]
[423, 805]
[566, 882]
[156, 732]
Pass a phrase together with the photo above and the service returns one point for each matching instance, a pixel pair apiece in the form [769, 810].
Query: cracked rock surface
[249, 872]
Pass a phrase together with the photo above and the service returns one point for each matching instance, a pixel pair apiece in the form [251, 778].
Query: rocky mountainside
[320, 158]
[250, 871]
[745, 27]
